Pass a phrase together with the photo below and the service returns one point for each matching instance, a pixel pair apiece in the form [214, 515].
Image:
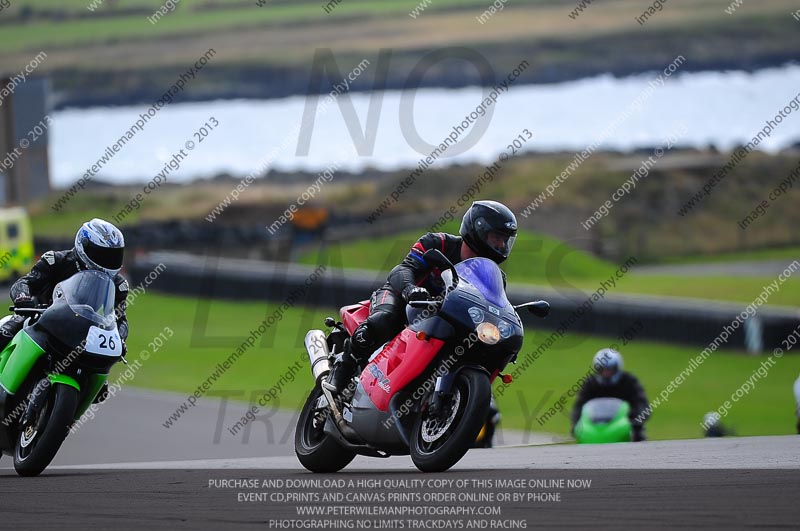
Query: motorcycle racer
[612, 381]
[488, 229]
[99, 246]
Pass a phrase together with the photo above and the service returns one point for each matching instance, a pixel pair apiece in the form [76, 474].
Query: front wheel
[40, 439]
[439, 441]
[316, 450]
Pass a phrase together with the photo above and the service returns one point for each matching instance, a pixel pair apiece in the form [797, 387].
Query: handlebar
[41, 308]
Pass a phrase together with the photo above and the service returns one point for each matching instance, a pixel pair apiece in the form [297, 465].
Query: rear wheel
[316, 450]
[439, 441]
[40, 439]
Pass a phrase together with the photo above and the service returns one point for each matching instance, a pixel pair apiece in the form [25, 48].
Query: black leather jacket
[414, 271]
[56, 266]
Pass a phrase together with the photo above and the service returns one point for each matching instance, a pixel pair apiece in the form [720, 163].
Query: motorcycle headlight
[476, 314]
[488, 333]
[505, 329]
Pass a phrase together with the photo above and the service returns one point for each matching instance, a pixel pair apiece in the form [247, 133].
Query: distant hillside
[112, 54]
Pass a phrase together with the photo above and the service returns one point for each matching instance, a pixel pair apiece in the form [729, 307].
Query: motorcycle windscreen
[486, 277]
[602, 410]
[89, 294]
[82, 316]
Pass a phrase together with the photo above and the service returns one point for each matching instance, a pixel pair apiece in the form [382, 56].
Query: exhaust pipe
[317, 348]
[318, 353]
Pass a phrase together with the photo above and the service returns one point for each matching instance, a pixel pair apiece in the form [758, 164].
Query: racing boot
[343, 370]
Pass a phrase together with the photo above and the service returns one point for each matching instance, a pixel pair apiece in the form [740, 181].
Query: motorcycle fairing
[482, 286]
[400, 362]
[604, 420]
[91, 390]
[354, 315]
[17, 360]
[373, 425]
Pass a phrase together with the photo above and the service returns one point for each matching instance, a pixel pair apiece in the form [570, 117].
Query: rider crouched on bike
[612, 381]
[488, 230]
[99, 246]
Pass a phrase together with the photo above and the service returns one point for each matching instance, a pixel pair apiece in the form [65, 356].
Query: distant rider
[713, 426]
[611, 381]
[99, 246]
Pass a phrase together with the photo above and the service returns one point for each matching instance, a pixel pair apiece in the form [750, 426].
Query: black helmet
[489, 228]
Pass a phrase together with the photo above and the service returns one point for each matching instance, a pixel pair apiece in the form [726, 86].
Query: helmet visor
[105, 257]
[607, 374]
[501, 242]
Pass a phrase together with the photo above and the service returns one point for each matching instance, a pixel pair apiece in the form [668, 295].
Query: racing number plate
[104, 342]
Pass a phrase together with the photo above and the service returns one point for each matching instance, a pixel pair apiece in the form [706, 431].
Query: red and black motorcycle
[427, 391]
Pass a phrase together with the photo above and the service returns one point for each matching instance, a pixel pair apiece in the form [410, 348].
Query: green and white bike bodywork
[54, 368]
[604, 420]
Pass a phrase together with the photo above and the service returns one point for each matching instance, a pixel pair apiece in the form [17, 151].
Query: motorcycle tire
[35, 450]
[316, 450]
[437, 444]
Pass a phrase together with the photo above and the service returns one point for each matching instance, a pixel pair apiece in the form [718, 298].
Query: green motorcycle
[54, 368]
[604, 420]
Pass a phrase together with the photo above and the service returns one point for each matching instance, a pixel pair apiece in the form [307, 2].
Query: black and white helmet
[608, 365]
[101, 246]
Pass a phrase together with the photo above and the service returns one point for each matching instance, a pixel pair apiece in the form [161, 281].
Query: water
[723, 109]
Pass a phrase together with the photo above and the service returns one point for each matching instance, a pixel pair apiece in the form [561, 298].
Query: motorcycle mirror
[537, 308]
[436, 258]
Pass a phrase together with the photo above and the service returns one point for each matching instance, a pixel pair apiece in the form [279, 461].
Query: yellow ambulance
[16, 244]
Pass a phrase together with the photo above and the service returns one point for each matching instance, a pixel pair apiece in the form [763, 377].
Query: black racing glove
[24, 301]
[416, 293]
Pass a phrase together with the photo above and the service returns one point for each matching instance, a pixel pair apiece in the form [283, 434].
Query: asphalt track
[129, 427]
[685, 490]
[125, 470]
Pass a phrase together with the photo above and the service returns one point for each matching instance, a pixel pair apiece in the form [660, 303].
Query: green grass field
[55, 24]
[763, 254]
[535, 257]
[187, 359]
[543, 261]
[44, 23]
